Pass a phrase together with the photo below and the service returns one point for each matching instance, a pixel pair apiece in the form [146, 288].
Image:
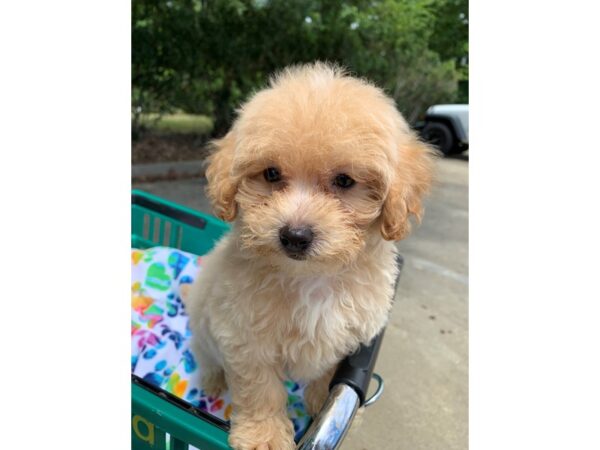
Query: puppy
[318, 174]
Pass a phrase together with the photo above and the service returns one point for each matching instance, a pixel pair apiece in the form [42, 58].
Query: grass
[179, 123]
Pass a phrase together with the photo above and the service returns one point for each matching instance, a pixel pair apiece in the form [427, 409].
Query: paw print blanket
[160, 351]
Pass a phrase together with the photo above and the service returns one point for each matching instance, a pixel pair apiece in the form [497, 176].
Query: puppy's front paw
[274, 433]
[213, 382]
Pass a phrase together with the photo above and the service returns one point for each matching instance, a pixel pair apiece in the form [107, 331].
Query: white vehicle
[447, 128]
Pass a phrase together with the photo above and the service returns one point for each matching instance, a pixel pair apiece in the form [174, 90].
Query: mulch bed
[153, 147]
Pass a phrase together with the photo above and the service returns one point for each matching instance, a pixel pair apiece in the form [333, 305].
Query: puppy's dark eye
[343, 181]
[272, 174]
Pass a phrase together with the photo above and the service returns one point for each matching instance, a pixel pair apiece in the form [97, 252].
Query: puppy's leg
[213, 376]
[213, 381]
[259, 420]
[316, 392]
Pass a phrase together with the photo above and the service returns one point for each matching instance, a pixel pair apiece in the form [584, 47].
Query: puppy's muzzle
[296, 241]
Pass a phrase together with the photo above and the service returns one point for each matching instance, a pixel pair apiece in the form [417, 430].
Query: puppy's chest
[316, 326]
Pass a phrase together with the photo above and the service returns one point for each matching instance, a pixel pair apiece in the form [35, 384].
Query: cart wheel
[378, 391]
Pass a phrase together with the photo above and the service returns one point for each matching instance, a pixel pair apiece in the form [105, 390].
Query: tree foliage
[207, 56]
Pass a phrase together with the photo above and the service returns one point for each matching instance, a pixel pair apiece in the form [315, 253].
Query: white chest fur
[311, 323]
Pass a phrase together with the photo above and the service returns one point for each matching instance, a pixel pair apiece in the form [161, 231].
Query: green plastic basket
[155, 221]
[160, 420]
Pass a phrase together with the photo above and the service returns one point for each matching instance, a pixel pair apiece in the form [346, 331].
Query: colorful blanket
[160, 352]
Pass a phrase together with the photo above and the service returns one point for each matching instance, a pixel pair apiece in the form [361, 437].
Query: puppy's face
[314, 166]
[299, 203]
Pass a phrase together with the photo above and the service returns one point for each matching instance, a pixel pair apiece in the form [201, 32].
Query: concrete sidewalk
[166, 169]
[424, 357]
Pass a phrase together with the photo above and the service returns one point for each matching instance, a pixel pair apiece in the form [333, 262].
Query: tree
[450, 39]
[208, 56]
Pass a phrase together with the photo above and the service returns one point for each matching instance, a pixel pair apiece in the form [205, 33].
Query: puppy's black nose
[296, 241]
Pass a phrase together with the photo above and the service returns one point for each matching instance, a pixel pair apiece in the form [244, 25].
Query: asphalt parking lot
[424, 357]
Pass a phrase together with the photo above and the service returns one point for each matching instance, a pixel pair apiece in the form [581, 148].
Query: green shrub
[207, 56]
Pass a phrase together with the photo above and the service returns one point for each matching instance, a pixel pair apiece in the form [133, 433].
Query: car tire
[440, 136]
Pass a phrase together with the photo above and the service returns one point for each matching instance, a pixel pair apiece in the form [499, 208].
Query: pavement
[424, 356]
[165, 169]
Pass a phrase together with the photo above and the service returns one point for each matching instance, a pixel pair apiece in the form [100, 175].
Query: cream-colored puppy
[318, 174]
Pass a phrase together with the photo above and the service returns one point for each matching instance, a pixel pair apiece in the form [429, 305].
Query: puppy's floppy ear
[410, 182]
[222, 186]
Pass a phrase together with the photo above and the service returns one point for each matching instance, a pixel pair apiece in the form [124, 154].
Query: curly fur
[258, 315]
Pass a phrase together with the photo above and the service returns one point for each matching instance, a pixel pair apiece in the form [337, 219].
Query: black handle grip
[356, 369]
